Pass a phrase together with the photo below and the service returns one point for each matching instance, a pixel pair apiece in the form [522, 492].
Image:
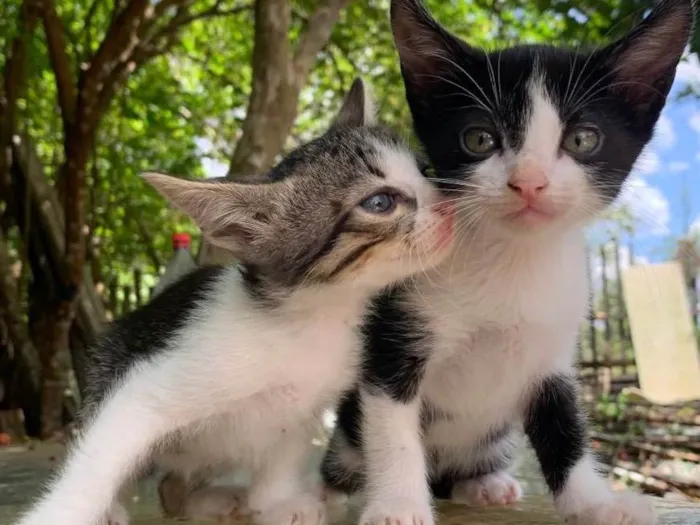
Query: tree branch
[87, 27]
[56, 40]
[122, 37]
[215, 12]
[12, 85]
[151, 252]
[27, 354]
[318, 31]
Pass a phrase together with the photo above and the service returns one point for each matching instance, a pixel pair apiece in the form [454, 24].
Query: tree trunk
[22, 388]
[279, 74]
[12, 86]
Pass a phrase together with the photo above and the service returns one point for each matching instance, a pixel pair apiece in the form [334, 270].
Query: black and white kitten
[534, 141]
[232, 366]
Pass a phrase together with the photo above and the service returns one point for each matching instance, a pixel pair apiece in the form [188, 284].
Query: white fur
[505, 311]
[498, 488]
[397, 472]
[241, 385]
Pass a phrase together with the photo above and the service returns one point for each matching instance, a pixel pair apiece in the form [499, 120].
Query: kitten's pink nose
[528, 183]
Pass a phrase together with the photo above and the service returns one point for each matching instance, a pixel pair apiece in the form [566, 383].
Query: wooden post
[620, 310]
[126, 303]
[113, 300]
[137, 287]
[592, 342]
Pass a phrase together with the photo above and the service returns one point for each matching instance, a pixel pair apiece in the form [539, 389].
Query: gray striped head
[350, 205]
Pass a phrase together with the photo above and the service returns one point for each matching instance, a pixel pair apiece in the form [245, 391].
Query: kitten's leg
[281, 493]
[142, 411]
[342, 467]
[396, 478]
[116, 442]
[117, 514]
[555, 425]
[172, 493]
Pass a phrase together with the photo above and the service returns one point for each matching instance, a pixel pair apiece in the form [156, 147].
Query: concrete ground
[22, 471]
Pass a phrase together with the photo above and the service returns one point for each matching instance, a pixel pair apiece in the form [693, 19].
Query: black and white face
[537, 138]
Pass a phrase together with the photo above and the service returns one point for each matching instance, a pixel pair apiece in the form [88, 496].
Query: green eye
[479, 142]
[582, 141]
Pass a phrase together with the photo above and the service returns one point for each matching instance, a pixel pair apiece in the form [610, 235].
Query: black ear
[644, 61]
[427, 51]
[358, 107]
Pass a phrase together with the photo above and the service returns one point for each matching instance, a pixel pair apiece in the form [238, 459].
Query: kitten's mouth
[530, 215]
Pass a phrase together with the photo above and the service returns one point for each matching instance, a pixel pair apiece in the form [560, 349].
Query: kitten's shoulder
[146, 331]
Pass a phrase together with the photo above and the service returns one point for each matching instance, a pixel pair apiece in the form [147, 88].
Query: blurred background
[94, 92]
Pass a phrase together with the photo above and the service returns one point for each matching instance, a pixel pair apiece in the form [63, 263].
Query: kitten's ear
[230, 215]
[358, 107]
[644, 61]
[426, 49]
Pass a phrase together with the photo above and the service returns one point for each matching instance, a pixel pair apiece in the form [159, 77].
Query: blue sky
[664, 189]
[655, 191]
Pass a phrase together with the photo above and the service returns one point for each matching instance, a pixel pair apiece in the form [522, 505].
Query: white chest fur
[503, 314]
[262, 373]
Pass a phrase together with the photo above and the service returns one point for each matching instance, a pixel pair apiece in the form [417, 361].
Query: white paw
[215, 502]
[499, 488]
[117, 515]
[301, 510]
[398, 512]
[626, 508]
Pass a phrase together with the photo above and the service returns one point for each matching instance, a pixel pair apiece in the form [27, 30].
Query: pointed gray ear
[426, 50]
[644, 61]
[358, 107]
[230, 215]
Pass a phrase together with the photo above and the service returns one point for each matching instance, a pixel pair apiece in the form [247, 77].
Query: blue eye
[379, 203]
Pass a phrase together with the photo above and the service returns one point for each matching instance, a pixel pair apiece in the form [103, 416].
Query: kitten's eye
[479, 142]
[379, 203]
[582, 141]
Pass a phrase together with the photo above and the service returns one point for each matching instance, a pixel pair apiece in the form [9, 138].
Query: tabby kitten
[533, 142]
[232, 365]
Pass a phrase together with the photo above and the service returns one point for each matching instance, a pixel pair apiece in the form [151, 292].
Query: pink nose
[528, 183]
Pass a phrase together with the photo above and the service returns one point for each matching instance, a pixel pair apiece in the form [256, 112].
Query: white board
[662, 331]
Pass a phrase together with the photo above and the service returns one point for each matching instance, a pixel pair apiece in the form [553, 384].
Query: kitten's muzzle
[528, 183]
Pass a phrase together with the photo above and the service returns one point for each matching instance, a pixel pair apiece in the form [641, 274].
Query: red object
[5, 439]
[181, 241]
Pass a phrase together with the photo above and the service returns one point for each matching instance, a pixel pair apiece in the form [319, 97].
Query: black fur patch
[145, 332]
[556, 428]
[396, 345]
[349, 418]
[339, 477]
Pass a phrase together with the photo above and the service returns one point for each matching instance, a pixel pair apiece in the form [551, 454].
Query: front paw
[301, 510]
[498, 488]
[626, 508]
[397, 512]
